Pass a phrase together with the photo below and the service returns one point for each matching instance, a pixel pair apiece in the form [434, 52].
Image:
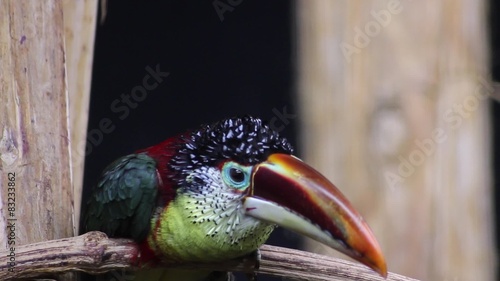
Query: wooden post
[79, 29]
[393, 99]
[36, 189]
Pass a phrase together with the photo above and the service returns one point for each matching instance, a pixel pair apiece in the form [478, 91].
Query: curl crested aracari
[218, 192]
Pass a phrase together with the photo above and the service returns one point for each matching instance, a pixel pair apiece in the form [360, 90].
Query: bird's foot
[252, 276]
[220, 276]
[253, 258]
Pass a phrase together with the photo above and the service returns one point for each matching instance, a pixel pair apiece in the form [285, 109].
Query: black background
[494, 33]
[217, 68]
[237, 64]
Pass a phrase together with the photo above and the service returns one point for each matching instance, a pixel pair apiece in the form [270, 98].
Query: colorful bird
[217, 193]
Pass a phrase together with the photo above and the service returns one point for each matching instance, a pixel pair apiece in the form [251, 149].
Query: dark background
[237, 63]
[494, 33]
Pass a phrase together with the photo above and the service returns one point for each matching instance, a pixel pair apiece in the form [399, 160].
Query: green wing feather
[123, 201]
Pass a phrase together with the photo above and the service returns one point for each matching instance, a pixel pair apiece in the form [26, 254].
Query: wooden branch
[95, 253]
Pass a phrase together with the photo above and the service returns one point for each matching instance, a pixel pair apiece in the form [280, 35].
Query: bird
[216, 193]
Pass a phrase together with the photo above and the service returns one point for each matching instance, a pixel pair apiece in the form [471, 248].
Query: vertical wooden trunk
[79, 29]
[393, 99]
[36, 189]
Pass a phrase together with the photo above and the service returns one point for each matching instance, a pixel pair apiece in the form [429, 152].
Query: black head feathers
[246, 140]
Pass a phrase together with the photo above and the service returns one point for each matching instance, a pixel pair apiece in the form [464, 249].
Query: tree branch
[95, 253]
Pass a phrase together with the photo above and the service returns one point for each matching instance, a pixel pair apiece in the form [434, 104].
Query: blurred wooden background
[394, 109]
[80, 19]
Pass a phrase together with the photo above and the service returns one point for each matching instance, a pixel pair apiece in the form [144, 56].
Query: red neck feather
[162, 153]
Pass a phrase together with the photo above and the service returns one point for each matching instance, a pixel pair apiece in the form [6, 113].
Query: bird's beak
[287, 192]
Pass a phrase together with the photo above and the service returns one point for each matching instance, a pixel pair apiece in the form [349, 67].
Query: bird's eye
[235, 175]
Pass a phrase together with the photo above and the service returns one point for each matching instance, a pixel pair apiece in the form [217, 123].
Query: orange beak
[287, 192]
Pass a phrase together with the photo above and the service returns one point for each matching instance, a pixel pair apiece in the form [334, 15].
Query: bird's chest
[182, 233]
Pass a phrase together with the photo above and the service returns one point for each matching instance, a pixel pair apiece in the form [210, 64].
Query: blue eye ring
[235, 175]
